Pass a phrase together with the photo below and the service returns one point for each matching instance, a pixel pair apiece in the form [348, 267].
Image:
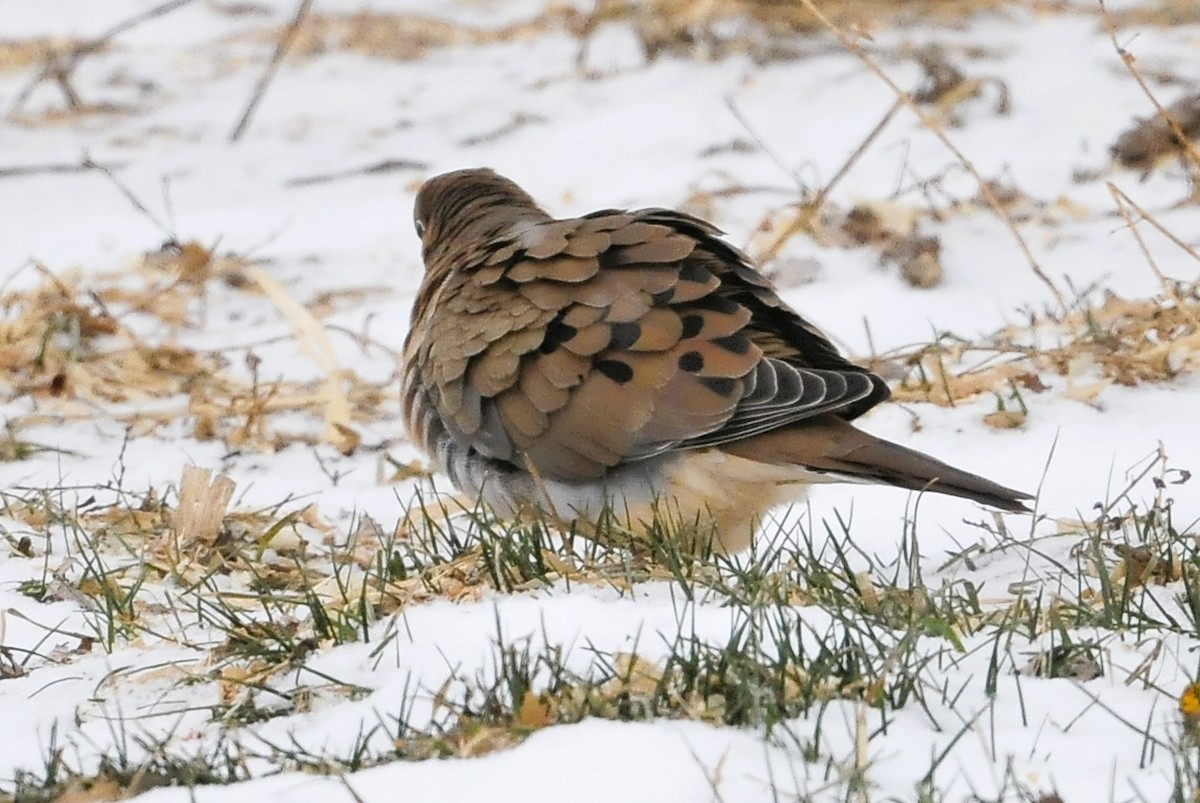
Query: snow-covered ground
[613, 131]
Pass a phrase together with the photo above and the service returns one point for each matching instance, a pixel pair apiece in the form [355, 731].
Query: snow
[627, 133]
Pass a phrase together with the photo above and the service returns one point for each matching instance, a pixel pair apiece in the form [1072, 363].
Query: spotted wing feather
[619, 336]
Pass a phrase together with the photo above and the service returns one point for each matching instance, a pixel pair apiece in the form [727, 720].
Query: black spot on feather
[691, 362]
[692, 326]
[624, 335]
[720, 385]
[617, 371]
[557, 333]
[734, 344]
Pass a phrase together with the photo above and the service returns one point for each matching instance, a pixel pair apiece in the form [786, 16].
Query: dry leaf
[1005, 419]
[536, 711]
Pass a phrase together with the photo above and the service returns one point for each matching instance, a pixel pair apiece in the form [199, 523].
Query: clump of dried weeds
[77, 347]
[1117, 341]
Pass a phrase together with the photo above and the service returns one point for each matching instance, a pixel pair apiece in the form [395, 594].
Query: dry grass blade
[315, 342]
[19, 54]
[23, 171]
[1148, 218]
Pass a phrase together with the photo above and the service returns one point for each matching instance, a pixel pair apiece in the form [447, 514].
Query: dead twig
[106, 170]
[809, 210]
[857, 154]
[378, 168]
[21, 171]
[59, 68]
[1170, 288]
[985, 189]
[1124, 204]
[281, 49]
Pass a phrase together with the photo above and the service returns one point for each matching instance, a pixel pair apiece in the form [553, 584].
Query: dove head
[466, 210]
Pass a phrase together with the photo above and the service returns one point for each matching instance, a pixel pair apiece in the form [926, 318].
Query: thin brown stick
[20, 171]
[934, 126]
[1168, 285]
[350, 789]
[134, 201]
[60, 68]
[808, 212]
[281, 49]
[1146, 216]
[762, 144]
[857, 154]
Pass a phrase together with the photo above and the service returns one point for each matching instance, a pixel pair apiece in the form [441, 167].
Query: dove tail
[829, 445]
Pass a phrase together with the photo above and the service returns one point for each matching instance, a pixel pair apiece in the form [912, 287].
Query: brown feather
[830, 444]
[542, 393]
[562, 368]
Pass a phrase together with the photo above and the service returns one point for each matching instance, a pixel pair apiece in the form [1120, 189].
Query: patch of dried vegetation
[1164, 13]
[762, 28]
[1118, 341]
[18, 54]
[288, 560]
[402, 36]
[712, 29]
[76, 348]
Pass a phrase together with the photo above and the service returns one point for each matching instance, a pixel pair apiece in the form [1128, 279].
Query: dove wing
[576, 345]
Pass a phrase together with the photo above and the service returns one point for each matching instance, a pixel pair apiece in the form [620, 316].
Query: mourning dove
[630, 360]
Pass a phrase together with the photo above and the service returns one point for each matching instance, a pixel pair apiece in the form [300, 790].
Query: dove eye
[420, 227]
